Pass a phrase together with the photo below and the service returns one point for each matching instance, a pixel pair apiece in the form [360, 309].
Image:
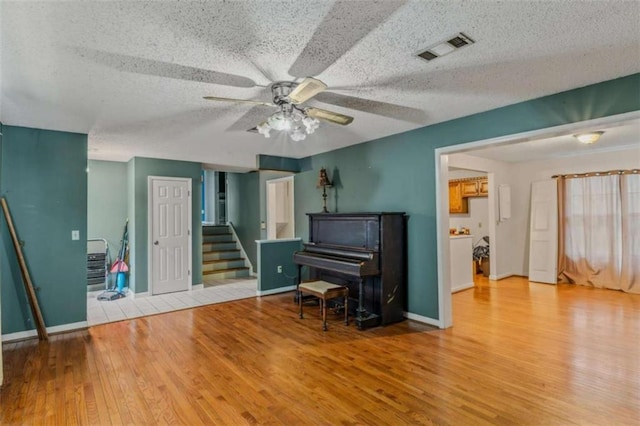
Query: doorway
[280, 208]
[442, 163]
[169, 230]
[469, 226]
[214, 197]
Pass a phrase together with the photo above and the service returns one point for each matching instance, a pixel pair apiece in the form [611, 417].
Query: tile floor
[101, 312]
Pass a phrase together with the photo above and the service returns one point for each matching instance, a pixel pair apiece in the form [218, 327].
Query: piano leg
[361, 312]
[300, 305]
[363, 318]
[346, 308]
[296, 296]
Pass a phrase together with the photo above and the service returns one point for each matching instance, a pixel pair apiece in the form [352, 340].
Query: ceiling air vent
[427, 56]
[445, 47]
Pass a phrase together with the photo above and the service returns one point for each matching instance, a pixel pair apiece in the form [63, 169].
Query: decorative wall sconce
[324, 182]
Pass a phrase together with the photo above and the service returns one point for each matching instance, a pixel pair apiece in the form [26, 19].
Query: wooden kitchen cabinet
[460, 190]
[457, 204]
[469, 188]
[483, 187]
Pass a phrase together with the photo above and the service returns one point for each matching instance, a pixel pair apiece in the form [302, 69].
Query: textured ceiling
[623, 136]
[132, 74]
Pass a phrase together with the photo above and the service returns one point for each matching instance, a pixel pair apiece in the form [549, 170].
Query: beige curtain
[601, 235]
[561, 257]
[630, 206]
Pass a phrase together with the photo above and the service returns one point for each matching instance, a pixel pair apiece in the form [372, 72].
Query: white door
[170, 260]
[543, 232]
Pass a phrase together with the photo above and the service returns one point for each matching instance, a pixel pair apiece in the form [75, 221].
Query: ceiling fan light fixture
[310, 124]
[294, 122]
[297, 134]
[264, 129]
[588, 138]
[279, 121]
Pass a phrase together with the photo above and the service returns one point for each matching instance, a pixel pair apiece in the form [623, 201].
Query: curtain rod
[591, 174]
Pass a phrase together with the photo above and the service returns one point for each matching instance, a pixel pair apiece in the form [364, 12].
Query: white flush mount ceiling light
[445, 47]
[588, 138]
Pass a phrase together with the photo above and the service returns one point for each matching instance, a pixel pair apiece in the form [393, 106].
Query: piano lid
[357, 231]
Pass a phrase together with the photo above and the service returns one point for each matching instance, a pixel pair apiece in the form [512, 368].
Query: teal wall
[2, 234]
[250, 209]
[246, 215]
[270, 255]
[44, 179]
[107, 202]
[234, 202]
[138, 170]
[397, 173]
[271, 162]
[131, 225]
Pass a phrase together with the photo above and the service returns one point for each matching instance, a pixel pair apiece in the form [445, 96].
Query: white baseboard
[144, 294]
[499, 277]
[276, 290]
[462, 287]
[420, 318]
[22, 335]
[140, 295]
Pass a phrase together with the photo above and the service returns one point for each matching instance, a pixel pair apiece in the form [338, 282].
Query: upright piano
[365, 252]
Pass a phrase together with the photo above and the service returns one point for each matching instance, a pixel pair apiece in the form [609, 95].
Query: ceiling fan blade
[157, 68]
[384, 109]
[323, 114]
[239, 101]
[249, 119]
[306, 90]
[330, 40]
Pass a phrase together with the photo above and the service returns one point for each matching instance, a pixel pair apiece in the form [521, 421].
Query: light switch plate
[75, 235]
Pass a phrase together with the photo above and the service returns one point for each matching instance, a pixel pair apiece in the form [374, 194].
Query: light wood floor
[518, 353]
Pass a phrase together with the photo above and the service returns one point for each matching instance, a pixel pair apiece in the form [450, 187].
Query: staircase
[221, 257]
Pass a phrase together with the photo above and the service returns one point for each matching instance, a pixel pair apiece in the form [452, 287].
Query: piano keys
[365, 252]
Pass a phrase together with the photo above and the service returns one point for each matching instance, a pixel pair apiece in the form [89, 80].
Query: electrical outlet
[279, 269]
[75, 235]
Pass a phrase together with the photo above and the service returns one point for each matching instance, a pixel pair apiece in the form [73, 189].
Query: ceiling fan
[291, 116]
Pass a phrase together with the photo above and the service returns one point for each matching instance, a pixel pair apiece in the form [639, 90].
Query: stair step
[231, 245]
[228, 273]
[215, 229]
[217, 238]
[220, 255]
[222, 264]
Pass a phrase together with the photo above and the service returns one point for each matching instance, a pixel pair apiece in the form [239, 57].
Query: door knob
[155, 243]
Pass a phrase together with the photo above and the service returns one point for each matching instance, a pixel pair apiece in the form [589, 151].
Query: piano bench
[324, 291]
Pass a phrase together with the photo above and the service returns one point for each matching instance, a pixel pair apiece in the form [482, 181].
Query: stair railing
[242, 252]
